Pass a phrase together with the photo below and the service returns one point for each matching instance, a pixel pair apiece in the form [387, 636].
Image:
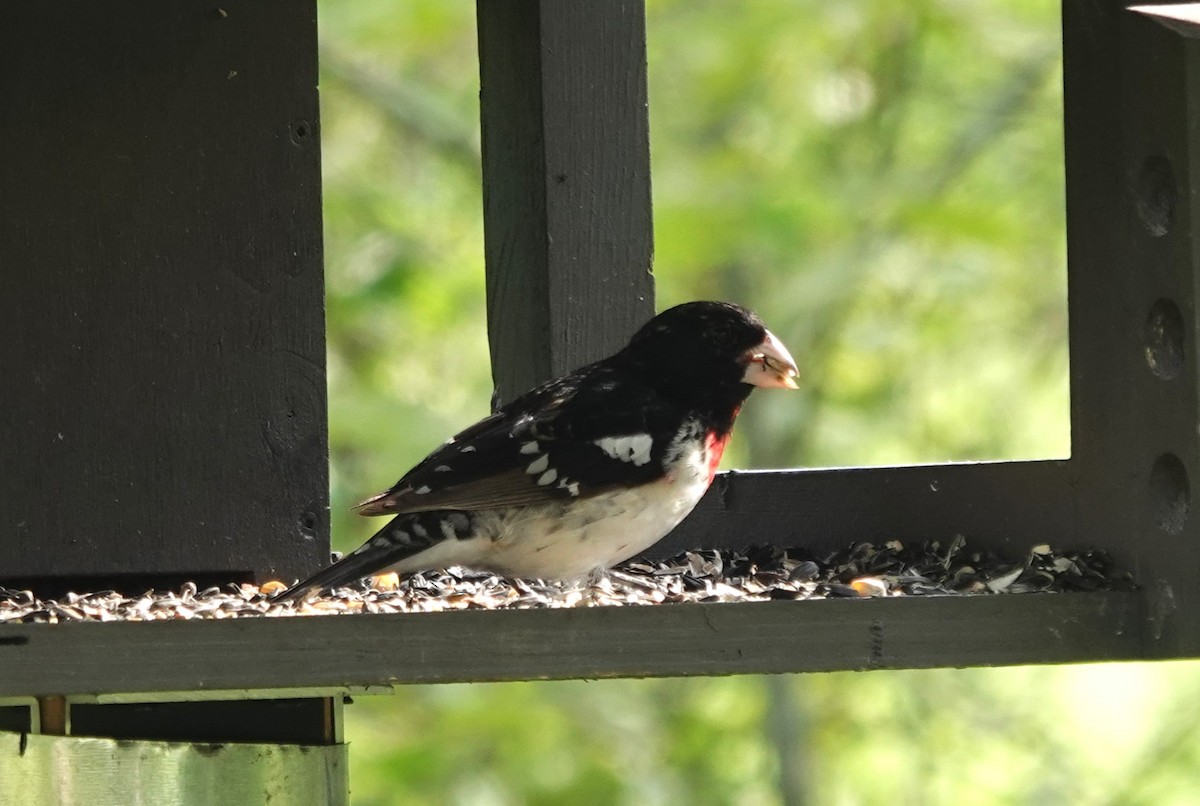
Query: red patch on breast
[714, 448]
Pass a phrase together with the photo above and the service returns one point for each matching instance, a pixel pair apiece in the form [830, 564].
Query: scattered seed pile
[758, 574]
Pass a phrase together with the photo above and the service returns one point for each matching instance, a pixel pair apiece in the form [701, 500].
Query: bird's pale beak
[770, 366]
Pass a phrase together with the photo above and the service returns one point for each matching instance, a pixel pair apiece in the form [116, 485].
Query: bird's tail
[401, 537]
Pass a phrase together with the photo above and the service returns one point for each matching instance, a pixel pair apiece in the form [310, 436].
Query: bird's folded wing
[572, 439]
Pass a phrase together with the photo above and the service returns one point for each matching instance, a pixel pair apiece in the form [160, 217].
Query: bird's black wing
[571, 438]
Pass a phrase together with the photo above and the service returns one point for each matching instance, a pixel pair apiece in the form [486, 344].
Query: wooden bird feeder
[163, 365]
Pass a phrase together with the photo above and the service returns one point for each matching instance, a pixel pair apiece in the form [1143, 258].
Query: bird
[581, 472]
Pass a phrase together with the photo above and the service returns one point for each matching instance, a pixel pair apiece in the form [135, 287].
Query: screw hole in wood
[1170, 494]
[301, 130]
[1164, 339]
[1155, 194]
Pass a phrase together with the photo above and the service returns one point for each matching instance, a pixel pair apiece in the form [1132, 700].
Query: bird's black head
[710, 355]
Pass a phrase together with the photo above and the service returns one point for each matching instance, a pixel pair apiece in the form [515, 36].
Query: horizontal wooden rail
[1003, 506]
[264, 657]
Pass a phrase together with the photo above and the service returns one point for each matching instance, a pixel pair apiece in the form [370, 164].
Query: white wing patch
[544, 474]
[633, 448]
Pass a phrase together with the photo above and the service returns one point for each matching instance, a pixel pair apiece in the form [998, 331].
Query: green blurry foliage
[882, 182]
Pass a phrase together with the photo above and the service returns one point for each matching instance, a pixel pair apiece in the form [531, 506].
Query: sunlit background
[883, 183]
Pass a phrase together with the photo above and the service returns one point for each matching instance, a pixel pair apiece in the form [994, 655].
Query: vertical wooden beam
[1132, 107]
[162, 347]
[566, 178]
[162, 344]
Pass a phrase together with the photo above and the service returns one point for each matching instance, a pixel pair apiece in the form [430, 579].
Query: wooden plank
[566, 183]
[1007, 507]
[161, 328]
[1131, 112]
[694, 639]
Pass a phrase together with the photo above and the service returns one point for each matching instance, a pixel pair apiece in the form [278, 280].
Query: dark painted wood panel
[566, 171]
[1004, 506]
[693, 639]
[1132, 108]
[161, 325]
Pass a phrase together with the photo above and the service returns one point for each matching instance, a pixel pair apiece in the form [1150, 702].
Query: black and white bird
[581, 472]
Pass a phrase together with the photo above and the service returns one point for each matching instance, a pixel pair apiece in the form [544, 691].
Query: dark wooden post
[1132, 112]
[163, 349]
[566, 178]
[161, 324]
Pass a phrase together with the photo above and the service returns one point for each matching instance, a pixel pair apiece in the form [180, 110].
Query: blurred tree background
[883, 182]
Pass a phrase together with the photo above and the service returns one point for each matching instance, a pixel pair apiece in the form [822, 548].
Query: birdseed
[760, 573]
